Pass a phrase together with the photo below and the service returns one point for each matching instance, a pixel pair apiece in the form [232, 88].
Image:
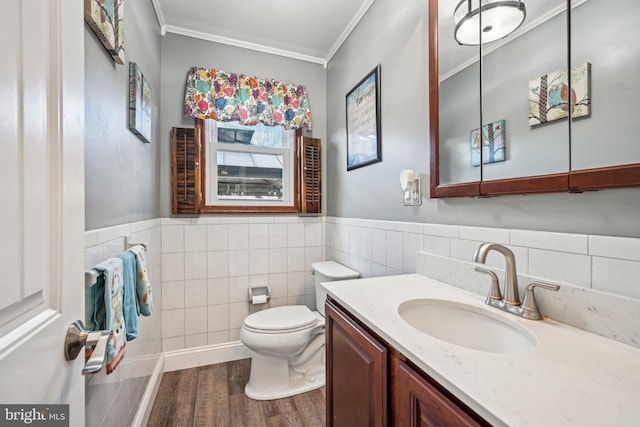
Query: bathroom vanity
[381, 370]
[369, 382]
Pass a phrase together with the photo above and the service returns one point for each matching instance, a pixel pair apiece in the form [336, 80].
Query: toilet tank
[329, 271]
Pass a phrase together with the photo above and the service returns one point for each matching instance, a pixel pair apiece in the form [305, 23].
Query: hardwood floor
[214, 396]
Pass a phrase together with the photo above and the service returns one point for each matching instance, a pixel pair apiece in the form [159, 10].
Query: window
[249, 165]
[227, 168]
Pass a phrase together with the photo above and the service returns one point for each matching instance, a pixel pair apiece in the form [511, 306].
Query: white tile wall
[615, 247]
[218, 264]
[609, 264]
[202, 267]
[608, 314]
[124, 387]
[196, 293]
[195, 238]
[258, 236]
[210, 263]
[561, 266]
[173, 295]
[618, 276]
[217, 237]
[238, 236]
[558, 242]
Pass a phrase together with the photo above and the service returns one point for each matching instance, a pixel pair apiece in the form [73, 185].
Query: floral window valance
[222, 96]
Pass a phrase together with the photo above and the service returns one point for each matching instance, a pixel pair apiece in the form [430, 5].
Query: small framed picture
[363, 122]
[139, 103]
[494, 142]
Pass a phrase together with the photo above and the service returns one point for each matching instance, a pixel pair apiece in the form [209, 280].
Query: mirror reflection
[503, 103]
[607, 35]
[525, 82]
[489, 85]
[459, 94]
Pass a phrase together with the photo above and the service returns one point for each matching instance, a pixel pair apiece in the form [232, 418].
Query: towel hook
[129, 244]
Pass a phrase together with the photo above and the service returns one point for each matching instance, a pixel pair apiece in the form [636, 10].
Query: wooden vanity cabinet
[356, 373]
[421, 403]
[369, 383]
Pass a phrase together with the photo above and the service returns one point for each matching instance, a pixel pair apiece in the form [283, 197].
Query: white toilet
[288, 342]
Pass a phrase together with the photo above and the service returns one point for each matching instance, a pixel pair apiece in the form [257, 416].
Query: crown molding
[246, 45]
[164, 29]
[159, 16]
[347, 31]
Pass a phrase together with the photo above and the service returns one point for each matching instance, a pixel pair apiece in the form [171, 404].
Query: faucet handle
[494, 294]
[529, 306]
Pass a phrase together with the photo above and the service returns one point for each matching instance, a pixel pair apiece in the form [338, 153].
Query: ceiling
[310, 30]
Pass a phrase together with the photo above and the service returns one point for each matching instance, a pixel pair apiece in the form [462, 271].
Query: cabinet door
[420, 404]
[356, 374]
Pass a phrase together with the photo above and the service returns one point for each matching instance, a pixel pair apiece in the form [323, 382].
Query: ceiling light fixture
[499, 19]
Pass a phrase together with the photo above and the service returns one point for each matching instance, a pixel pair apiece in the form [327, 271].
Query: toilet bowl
[288, 342]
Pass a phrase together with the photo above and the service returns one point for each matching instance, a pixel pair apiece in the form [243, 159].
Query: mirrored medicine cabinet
[507, 117]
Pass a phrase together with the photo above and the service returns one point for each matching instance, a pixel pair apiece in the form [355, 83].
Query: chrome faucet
[511, 301]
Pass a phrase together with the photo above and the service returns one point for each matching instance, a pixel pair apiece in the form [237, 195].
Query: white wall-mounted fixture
[259, 295]
[499, 19]
[410, 185]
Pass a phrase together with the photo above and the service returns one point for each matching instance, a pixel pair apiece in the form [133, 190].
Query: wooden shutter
[185, 168]
[310, 175]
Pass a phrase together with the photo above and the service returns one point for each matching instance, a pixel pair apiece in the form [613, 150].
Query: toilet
[288, 342]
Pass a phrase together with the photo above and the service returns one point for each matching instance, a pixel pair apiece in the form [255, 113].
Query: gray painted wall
[396, 36]
[179, 53]
[122, 174]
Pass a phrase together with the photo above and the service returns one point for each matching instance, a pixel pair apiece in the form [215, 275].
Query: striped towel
[143, 287]
[111, 270]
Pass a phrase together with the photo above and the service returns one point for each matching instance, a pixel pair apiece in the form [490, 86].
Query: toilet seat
[278, 320]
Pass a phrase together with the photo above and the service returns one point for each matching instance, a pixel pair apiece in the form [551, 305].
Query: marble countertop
[572, 377]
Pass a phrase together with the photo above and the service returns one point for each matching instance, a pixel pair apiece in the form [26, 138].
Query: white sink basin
[468, 326]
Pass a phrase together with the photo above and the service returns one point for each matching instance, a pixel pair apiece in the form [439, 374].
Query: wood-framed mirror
[582, 31]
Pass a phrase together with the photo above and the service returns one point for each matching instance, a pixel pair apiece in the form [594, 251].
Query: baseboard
[206, 355]
[149, 396]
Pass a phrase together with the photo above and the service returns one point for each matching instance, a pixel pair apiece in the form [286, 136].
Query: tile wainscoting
[377, 248]
[113, 399]
[201, 269]
[209, 263]
[600, 274]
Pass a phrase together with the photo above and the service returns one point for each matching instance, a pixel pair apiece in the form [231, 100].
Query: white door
[41, 201]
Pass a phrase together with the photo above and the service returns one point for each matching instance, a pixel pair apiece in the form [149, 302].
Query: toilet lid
[281, 318]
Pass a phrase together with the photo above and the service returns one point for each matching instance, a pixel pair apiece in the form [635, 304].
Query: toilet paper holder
[259, 295]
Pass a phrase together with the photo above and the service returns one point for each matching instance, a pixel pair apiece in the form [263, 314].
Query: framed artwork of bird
[494, 141]
[549, 97]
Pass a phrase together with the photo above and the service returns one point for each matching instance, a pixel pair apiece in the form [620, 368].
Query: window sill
[248, 209]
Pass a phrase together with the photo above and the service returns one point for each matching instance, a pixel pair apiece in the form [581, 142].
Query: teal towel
[95, 317]
[129, 309]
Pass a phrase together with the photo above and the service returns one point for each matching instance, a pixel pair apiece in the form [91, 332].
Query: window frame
[248, 206]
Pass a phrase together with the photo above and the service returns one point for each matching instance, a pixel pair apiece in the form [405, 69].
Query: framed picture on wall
[363, 122]
[106, 19]
[139, 103]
